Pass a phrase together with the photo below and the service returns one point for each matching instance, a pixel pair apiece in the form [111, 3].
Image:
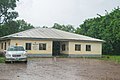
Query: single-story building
[46, 42]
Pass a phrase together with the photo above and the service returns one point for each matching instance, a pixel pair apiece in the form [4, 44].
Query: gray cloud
[48, 12]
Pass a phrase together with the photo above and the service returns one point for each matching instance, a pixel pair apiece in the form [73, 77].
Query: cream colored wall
[96, 47]
[66, 47]
[32, 51]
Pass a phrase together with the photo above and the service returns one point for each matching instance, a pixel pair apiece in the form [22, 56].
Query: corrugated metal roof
[50, 33]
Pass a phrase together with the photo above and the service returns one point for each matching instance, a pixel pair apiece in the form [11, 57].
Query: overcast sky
[74, 12]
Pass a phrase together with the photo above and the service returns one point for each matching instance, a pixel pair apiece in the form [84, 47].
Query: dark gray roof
[50, 33]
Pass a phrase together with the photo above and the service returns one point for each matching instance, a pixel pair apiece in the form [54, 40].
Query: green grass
[115, 58]
[2, 59]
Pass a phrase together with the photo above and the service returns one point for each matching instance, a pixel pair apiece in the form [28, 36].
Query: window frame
[42, 46]
[63, 47]
[8, 43]
[88, 47]
[77, 47]
[28, 46]
[5, 46]
[1, 45]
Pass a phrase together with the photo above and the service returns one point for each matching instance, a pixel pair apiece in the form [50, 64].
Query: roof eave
[54, 39]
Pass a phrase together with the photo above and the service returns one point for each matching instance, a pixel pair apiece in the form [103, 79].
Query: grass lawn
[115, 58]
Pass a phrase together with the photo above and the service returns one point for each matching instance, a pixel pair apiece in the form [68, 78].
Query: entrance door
[56, 48]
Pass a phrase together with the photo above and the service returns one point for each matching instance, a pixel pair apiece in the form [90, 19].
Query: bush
[2, 54]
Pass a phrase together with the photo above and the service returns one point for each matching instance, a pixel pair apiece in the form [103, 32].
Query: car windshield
[16, 48]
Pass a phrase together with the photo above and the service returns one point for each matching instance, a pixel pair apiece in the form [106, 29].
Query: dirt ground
[60, 69]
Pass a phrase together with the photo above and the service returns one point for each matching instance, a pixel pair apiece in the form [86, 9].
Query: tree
[7, 12]
[104, 27]
[8, 28]
[7, 15]
[14, 27]
[44, 27]
[23, 25]
[68, 28]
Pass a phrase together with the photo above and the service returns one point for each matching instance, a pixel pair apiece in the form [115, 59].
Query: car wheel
[6, 61]
[25, 61]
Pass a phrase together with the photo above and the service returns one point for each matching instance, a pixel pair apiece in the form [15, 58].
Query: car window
[16, 48]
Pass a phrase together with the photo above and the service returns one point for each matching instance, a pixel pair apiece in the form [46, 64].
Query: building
[46, 42]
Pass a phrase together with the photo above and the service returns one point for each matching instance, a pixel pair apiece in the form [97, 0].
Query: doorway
[56, 48]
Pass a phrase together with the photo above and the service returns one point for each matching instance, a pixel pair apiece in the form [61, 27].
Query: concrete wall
[96, 49]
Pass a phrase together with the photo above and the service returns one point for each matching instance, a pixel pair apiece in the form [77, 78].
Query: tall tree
[23, 25]
[68, 28]
[14, 26]
[9, 28]
[7, 12]
[104, 27]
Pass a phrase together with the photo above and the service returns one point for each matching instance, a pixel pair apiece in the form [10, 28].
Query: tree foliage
[13, 27]
[68, 28]
[7, 16]
[104, 27]
[7, 12]
[23, 25]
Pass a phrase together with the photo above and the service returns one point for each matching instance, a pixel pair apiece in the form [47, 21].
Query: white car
[15, 53]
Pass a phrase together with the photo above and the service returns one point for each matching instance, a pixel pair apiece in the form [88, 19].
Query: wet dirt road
[60, 69]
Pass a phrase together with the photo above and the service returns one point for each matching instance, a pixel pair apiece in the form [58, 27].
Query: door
[56, 48]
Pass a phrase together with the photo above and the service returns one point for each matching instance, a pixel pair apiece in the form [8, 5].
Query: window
[16, 48]
[63, 47]
[42, 46]
[88, 47]
[77, 47]
[9, 44]
[5, 46]
[28, 46]
[2, 46]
